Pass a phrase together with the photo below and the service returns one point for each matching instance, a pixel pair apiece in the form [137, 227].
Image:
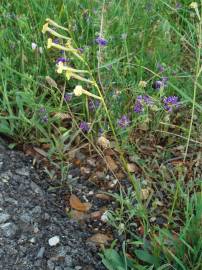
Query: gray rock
[36, 188]
[26, 218]
[11, 201]
[22, 171]
[58, 268]
[50, 265]
[9, 229]
[53, 241]
[68, 260]
[36, 210]
[4, 217]
[1, 199]
[41, 252]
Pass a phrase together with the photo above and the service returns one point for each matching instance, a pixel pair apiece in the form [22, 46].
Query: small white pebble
[104, 216]
[53, 241]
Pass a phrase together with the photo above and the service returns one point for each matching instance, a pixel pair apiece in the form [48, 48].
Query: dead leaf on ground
[132, 167]
[85, 170]
[75, 203]
[111, 163]
[40, 151]
[96, 215]
[145, 192]
[103, 196]
[51, 82]
[99, 239]
[62, 116]
[78, 215]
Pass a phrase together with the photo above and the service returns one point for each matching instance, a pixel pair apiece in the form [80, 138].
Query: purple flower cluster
[141, 101]
[93, 104]
[170, 103]
[81, 50]
[101, 41]
[62, 59]
[43, 115]
[157, 85]
[160, 68]
[124, 121]
[68, 97]
[84, 126]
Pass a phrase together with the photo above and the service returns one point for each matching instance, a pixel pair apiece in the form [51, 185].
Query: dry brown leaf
[111, 163]
[99, 238]
[78, 215]
[85, 170]
[103, 196]
[145, 192]
[103, 142]
[96, 215]
[62, 116]
[40, 151]
[75, 203]
[132, 167]
[51, 82]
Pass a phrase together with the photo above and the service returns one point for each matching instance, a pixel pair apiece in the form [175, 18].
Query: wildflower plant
[84, 76]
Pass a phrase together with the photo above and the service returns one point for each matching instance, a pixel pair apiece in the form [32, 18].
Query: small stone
[53, 241]
[152, 219]
[36, 210]
[32, 240]
[22, 171]
[1, 199]
[26, 218]
[41, 252]
[68, 260]
[36, 188]
[58, 268]
[4, 217]
[50, 265]
[78, 267]
[9, 229]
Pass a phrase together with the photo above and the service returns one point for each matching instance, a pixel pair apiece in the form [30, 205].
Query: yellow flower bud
[193, 5]
[45, 28]
[68, 74]
[78, 90]
[60, 67]
[49, 43]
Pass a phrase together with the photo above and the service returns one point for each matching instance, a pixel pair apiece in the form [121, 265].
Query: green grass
[166, 146]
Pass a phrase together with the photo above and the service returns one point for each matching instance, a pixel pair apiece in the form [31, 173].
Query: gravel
[35, 232]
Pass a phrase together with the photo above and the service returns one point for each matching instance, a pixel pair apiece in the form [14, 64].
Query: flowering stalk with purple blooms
[170, 103]
[101, 41]
[124, 121]
[159, 84]
[43, 115]
[142, 101]
[84, 126]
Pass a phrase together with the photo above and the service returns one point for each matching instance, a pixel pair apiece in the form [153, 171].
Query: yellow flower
[49, 43]
[68, 74]
[45, 28]
[78, 90]
[193, 5]
[60, 67]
